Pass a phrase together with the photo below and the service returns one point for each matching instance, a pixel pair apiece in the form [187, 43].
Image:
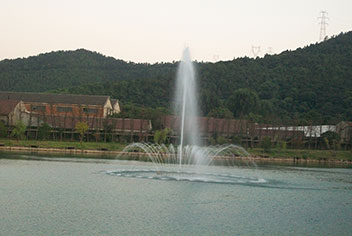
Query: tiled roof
[7, 106]
[54, 98]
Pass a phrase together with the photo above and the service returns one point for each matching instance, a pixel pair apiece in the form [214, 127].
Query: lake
[42, 195]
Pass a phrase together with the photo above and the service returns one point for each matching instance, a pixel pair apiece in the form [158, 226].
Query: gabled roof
[7, 106]
[113, 101]
[53, 98]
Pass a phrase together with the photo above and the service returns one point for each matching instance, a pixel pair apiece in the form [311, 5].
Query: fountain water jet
[190, 151]
[186, 103]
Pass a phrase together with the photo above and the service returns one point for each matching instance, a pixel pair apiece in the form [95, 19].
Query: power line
[323, 23]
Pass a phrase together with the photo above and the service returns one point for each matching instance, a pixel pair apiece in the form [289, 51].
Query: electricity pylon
[255, 51]
[323, 23]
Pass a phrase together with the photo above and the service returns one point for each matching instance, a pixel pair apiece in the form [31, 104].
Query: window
[38, 108]
[64, 109]
[90, 110]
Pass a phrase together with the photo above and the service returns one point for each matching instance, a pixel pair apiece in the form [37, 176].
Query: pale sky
[158, 30]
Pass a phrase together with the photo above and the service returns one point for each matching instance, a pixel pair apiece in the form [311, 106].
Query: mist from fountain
[189, 152]
[185, 103]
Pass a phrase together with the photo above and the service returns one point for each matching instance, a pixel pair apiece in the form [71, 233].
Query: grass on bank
[303, 154]
[63, 144]
[273, 153]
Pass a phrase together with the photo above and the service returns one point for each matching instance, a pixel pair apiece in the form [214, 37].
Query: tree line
[307, 86]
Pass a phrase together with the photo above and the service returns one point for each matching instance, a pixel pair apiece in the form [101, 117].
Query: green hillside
[307, 86]
[64, 69]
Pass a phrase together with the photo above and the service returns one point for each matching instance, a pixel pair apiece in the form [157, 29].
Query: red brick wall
[94, 123]
[77, 110]
[209, 125]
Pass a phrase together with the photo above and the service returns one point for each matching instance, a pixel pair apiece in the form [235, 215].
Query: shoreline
[90, 152]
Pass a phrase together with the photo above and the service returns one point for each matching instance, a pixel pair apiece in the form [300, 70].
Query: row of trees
[19, 130]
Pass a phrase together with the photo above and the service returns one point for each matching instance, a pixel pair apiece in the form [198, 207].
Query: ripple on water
[168, 175]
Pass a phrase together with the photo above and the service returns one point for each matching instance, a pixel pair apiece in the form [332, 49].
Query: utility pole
[323, 23]
[255, 51]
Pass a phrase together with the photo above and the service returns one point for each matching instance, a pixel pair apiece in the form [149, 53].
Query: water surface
[75, 196]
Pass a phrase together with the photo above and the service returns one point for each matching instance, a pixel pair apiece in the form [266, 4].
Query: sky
[158, 30]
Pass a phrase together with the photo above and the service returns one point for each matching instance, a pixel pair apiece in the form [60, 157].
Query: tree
[267, 90]
[266, 109]
[3, 130]
[242, 102]
[313, 117]
[266, 144]
[108, 127]
[138, 112]
[254, 118]
[236, 140]
[160, 136]
[221, 112]
[222, 140]
[44, 131]
[209, 101]
[155, 115]
[331, 139]
[82, 128]
[19, 130]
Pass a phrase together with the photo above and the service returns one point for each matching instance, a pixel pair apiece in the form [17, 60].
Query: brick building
[344, 129]
[209, 125]
[64, 104]
[115, 106]
[12, 111]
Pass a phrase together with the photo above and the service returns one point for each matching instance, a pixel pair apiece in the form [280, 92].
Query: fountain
[186, 103]
[190, 157]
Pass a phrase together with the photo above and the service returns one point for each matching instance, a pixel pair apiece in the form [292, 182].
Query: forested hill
[308, 85]
[64, 69]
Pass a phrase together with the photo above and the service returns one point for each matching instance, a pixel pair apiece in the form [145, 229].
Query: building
[313, 131]
[208, 126]
[11, 111]
[344, 129]
[115, 106]
[47, 104]
[63, 111]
